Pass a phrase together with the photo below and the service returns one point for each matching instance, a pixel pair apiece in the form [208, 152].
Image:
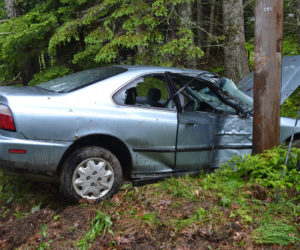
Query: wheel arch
[111, 143]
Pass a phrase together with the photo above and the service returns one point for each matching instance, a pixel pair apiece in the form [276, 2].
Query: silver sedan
[90, 129]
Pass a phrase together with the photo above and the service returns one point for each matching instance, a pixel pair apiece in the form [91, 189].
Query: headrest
[130, 96]
[154, 94]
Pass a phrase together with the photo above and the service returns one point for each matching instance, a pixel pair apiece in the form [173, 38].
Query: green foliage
[198, 216]
[3, 13]
[250, 54]
[151, 219]
[10, 192]
[150, 82]
[217, 70]
[44, 230]
[18, 214]
[265, 169]
[203, 206]
[25, 6]
[25, 38]
[290, 46]
[134, 26]
[100, 224]
[284, 209]
[35, 208]
[82, 34]
[290, 107]
[276, 232]
[49, 74]
[180, 187]
[224, 180]
[45, 245]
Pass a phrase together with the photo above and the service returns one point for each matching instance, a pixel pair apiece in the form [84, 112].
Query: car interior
[152, 91]
[149, 91]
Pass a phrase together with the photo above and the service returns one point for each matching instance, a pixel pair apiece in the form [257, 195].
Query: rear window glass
[80, 79]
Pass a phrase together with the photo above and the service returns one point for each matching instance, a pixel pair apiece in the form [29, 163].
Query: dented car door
[232, 137]
[211, 129]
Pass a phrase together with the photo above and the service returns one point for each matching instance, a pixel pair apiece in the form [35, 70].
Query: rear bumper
[41, 157]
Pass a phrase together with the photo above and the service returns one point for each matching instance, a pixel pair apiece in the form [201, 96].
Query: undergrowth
[99, 225]
[290, 107]
[233, 205]
[264, 169]
[276, 232]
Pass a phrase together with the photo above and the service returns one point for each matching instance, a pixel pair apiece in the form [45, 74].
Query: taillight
[6, 119]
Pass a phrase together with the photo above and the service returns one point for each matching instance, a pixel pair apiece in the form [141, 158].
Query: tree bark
[235, 58]
[200, 23]
[298, 21]
[186, 17]
[29, 68]
[140, 48]
[11, 8]
[211, 27]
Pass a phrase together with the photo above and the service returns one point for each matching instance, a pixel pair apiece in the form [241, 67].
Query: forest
[41, 40]
[231, 208]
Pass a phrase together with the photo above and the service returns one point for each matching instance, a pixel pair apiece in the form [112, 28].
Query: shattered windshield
[208, 92]
[229, 86]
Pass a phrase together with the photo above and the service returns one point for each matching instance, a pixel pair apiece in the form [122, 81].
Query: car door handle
[190, 124]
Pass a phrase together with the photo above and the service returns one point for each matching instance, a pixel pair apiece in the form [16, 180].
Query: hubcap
[93, 178]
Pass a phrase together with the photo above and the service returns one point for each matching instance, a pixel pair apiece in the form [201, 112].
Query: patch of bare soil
[70, 225]
[14, 233]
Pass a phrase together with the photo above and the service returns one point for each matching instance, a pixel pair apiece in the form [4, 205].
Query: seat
[131, 96]
[153, 97]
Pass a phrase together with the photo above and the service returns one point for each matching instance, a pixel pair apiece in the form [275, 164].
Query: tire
[91, 174]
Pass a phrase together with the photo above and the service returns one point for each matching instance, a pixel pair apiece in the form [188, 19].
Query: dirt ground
[58, 224]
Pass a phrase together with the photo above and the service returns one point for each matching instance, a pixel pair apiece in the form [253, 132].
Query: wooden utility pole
[267, 74]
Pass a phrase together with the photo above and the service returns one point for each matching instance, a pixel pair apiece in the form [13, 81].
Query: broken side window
[146, 91]
[198, 97]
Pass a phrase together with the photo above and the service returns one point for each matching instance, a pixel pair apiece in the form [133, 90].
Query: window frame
[182, 107]
[128, 84]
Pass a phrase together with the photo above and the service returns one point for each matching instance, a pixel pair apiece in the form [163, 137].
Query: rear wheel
[91, 173]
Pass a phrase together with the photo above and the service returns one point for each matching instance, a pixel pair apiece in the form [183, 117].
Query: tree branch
[11, 82]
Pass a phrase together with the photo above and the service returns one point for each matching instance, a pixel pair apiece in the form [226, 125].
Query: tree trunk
[140, 48]
[29, 68]
[235, 58]
[211, 27]
[298, 21]
[11, 8]
[186, 17]
[200, 23]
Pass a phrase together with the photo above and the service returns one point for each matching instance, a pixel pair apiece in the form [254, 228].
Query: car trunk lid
[9, 92]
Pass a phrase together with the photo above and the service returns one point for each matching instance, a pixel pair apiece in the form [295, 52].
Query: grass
[276, 232]
[99, 225]
[231, 208]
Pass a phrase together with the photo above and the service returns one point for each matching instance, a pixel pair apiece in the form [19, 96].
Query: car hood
[290, 78]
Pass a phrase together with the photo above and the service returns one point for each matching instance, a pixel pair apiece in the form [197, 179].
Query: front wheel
[91, 173]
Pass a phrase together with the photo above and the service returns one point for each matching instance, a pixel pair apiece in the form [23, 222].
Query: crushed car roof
[290, 78]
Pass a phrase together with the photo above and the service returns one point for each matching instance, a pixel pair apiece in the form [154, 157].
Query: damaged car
[91, 129]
